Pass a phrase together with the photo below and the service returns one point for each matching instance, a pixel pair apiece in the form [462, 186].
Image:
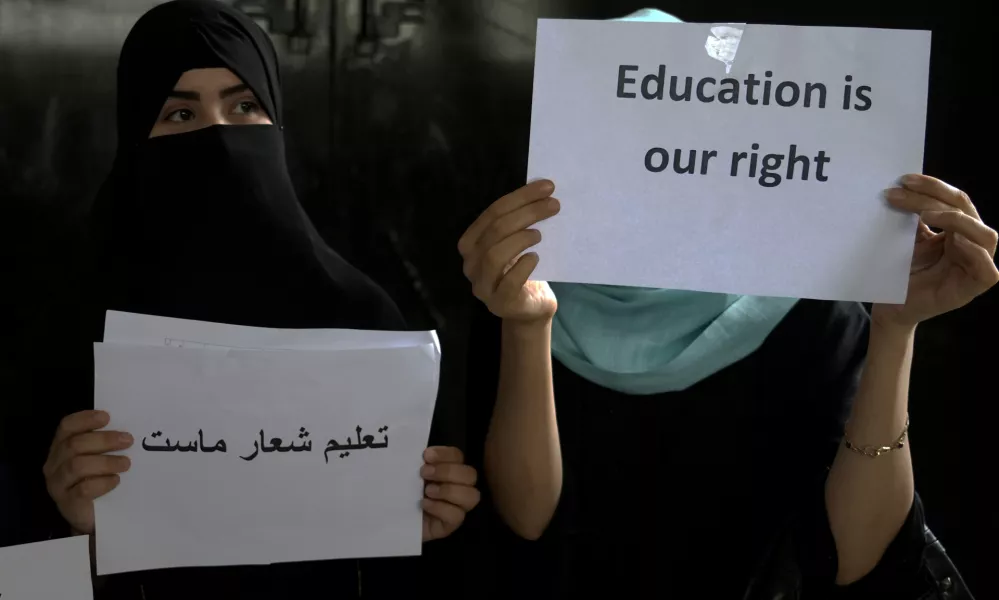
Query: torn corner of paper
[723, 43]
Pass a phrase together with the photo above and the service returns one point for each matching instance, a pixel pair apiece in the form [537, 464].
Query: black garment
[679, 495]
[210, 229]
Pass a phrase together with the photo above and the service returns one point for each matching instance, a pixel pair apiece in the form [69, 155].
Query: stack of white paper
[257, 446]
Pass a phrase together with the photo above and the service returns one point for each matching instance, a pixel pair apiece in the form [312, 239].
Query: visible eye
[246, 107]
[180, 116]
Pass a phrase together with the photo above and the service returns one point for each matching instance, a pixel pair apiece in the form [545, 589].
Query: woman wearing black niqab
[199, 220]
[206, 225]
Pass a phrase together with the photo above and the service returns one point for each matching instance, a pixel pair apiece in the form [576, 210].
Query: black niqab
[206, 225]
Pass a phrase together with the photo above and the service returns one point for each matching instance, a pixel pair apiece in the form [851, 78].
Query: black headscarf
[206, 225]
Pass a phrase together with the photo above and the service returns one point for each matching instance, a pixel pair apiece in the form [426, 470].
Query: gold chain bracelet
[876, 451]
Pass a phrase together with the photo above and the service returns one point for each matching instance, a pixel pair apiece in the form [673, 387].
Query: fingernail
[547, 186]
[910, 180]
[125, 438]
[430, 455]
[895, 194]
[427, 471]
[126, 464]
[433, 490]
[553, 204]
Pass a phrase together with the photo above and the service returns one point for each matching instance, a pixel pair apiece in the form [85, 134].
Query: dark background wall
[405, 119]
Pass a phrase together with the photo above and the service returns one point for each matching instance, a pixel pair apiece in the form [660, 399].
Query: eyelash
[171, 114]
[252, 108]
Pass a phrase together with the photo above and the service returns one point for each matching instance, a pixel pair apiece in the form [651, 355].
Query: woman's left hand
[950, 268]
[450, 491]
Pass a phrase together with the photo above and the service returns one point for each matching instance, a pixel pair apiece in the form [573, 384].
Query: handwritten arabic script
[276, 444]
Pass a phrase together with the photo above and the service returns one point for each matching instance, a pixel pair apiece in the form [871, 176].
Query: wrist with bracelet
[876, 451]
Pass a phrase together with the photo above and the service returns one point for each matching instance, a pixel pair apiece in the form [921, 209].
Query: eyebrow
[229, 91]
[225, 93]
[184, 95]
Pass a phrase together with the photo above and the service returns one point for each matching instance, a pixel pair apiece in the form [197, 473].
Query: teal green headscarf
[650, 341]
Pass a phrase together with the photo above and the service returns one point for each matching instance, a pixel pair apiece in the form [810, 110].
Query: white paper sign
[728, 218]
[261, 456]
[51, 570]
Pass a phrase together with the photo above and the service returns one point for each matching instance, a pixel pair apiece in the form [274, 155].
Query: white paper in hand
[760, 175]
[260, 456]
[51, 570]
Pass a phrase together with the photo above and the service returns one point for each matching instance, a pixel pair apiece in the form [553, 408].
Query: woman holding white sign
[686, 444]
[707, 417]
[199, 220]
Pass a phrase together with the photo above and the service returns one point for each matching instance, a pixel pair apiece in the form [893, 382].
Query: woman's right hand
[492, 248]
[77, 470]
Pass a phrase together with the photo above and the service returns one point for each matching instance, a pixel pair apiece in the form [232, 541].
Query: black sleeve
[899, 571]
[838, 357]
[53, 379]
[46, 372]
[482, 353]
[484, 529]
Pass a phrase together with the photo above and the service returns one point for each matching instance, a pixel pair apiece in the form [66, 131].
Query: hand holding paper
[450, 493]
[951, 268]
[493, 247]
[79, 470]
